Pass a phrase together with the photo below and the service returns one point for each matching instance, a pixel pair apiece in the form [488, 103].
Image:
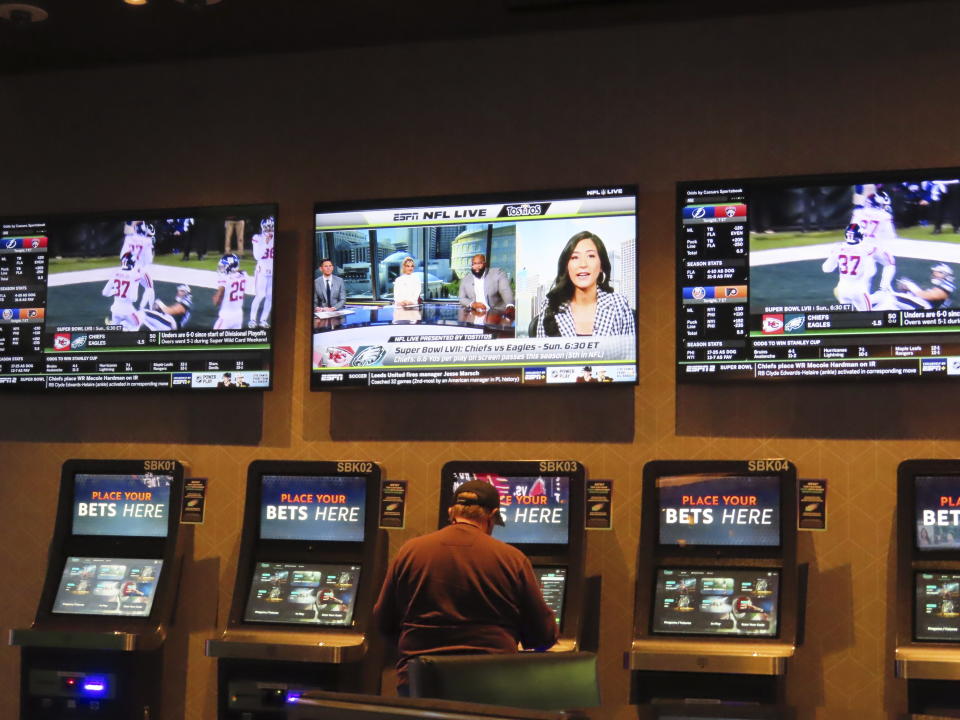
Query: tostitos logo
[772, 324]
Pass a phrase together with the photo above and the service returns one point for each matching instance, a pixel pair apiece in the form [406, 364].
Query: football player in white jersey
[263, 275]
[139, 244]
[123, 288]
[873, 212]
[231, 289]
[855, 259]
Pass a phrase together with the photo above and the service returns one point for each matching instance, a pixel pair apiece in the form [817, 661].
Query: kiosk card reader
[541, 503]
[717, 609]
[96, 648]
[928, 584]
[311, 562]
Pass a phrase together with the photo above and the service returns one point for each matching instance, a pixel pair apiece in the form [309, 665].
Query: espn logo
[332, 377]
[772, 325]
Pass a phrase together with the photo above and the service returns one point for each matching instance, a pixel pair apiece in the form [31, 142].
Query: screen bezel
[125, 214]
[570, 469]
[750, 184]
[658, 570]
[508, 196]
[699, 548]
[289, 624]
[362, 481]
[103, 560]
[537, 569]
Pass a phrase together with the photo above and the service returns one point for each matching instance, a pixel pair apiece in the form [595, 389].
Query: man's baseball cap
[486, 497]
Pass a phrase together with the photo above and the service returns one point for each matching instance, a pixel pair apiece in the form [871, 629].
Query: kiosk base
[62, 684]
[658, 687]
[940, 698]
[257, 690]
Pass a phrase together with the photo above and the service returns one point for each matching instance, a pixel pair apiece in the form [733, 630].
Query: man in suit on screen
[486, 288]
[329, 293]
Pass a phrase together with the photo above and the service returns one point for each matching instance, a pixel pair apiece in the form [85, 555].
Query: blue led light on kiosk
[94, 686]
[293, 696]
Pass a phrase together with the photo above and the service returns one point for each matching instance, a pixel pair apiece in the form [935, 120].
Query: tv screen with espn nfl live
[536, 288]
[147, 299]
[829, 277]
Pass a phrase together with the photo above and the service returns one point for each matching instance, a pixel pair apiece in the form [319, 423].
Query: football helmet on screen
[880, 200]
[142, 227]
[943, 269]
[853, 234]
[228, 263]
[267, 225]
[126, 261]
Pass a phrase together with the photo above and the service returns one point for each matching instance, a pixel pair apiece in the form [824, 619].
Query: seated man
[459, 590]
[486, 288]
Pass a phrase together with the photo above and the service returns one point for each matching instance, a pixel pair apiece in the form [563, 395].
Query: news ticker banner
[811, 504]
[393, 502]
[595, 202]
[296, 507]
[121, 505]
[599, 502]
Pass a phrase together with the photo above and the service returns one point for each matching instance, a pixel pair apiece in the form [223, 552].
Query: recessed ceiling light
[22, 13]
[135, 2]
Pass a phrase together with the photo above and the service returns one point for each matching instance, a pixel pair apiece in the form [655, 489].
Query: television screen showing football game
[107, 586]
[143, 299]
[716, 601]
[298, 593]
[834, 277]
[937, 609]
[301, 507]
[121, 505]
[937, 506]
[537, 288]
[719, 510]
[535, 510]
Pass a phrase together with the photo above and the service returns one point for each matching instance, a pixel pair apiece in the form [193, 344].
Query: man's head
[326, 267]
[478, 264]
[479, 502]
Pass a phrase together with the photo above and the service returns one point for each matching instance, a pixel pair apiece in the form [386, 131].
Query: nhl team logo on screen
[699, 293]
[369, 355]
[7, 314]
[772, 324]
[730, 211]
[61, 341]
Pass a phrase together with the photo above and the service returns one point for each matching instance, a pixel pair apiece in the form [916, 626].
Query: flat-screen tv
[307, 507]
[716, 601]
[840, 276]
[937, 606]
[716, 510]
[123, 587]
[302, 593]
[536, 288]
[937, 512]
[148, 299]
[535, 509]
[121, 505]
[553, 586]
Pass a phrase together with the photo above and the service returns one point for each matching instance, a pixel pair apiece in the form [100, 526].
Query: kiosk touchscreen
[310, 565]
[717, 581]
[97, 645]
[541, 503]
[928, 583]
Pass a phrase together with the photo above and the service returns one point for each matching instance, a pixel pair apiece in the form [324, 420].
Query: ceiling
[81, 33]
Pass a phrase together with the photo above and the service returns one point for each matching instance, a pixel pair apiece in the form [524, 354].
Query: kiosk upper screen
[553, 584]
[300, 593]
[716, 601]
[124, 505]
[937, 508]
[305, 507]
[535, 510]
[719, 510]
[938, 607]
[108, 586]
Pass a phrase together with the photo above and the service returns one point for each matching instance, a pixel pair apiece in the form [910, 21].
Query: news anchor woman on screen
[406, 288]
[581, 300]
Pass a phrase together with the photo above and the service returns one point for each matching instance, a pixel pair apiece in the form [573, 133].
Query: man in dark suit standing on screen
[329, 293]
[486, 288]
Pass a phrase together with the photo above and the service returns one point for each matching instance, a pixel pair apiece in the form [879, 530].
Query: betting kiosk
[311, 563]
[717, 598]
[96, 648]
[542, 506]
[928, 584]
